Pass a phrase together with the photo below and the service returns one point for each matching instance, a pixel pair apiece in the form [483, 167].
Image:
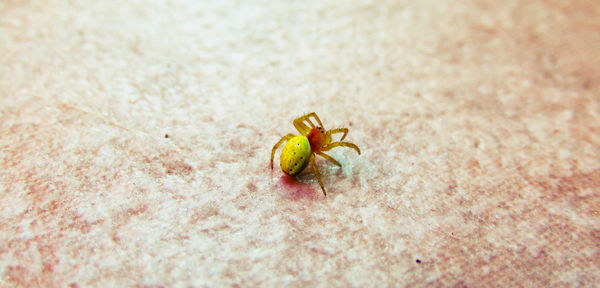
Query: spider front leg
[316, 170]
[283, 139]
[314, 115]
[344, 144]
[302, 127]
[334, 131]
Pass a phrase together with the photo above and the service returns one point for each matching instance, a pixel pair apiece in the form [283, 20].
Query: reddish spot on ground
[296, 189]
[251, 187]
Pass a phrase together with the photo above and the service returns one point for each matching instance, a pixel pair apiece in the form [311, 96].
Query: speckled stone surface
[135, 141]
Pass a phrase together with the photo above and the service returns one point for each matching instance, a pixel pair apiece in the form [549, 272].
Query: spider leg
[301, 126]
[305, 118]
[304, 129]
[328, 158]
[312, 125]
[334, 131]
[314, 165]
[344, 144]
[283, 139]
[313, 114]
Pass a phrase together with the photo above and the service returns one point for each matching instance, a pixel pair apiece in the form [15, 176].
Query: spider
[299, 150]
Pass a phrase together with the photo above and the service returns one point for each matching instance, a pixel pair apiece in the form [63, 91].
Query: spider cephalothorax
[299, 150]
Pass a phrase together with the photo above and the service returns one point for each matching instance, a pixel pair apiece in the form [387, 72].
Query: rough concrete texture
[135, 139]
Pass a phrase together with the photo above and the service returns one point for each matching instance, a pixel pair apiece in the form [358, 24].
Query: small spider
[299, 150]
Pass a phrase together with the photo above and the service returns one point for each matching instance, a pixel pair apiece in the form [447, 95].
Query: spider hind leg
[317, 174]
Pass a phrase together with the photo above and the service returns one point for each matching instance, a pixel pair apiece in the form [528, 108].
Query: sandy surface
[135, 141]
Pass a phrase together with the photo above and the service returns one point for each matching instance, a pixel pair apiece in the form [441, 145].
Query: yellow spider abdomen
[295, 155]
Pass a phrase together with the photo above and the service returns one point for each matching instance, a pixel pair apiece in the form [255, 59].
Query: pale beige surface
[479, 123]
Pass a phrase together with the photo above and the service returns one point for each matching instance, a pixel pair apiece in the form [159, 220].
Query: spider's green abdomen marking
[295, 155]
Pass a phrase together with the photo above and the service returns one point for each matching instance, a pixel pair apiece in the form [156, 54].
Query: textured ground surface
[479, 123]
